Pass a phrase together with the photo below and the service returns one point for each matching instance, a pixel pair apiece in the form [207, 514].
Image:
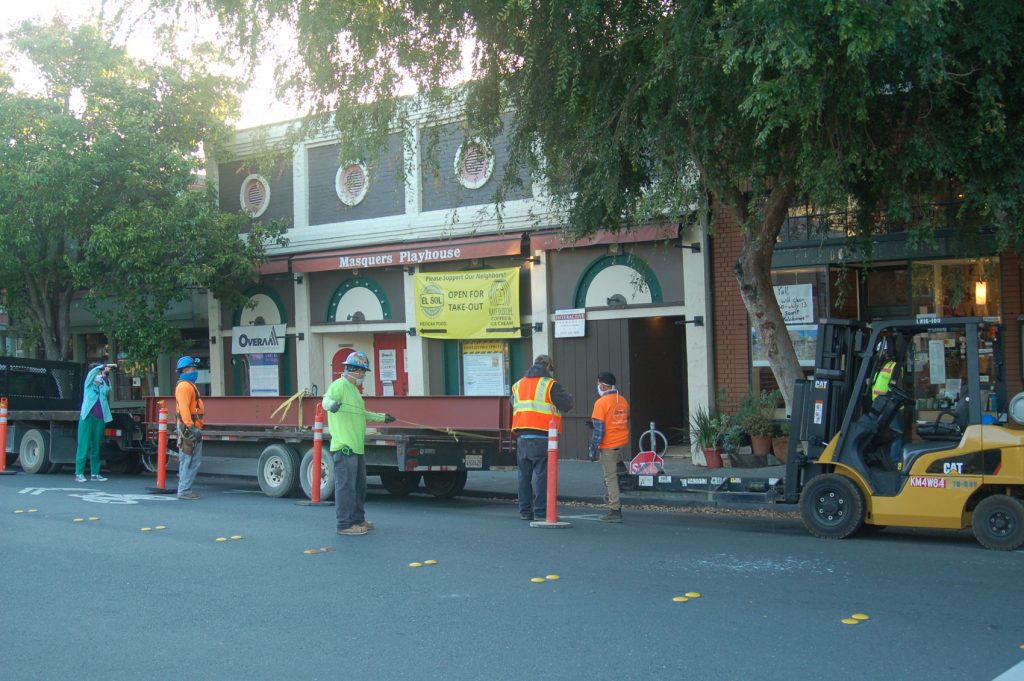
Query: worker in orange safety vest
[536, 398]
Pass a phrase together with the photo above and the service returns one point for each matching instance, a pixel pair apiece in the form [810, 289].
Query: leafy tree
[635, 110]
[102, 193]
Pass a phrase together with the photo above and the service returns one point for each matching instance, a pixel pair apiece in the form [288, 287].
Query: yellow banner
[472, 304]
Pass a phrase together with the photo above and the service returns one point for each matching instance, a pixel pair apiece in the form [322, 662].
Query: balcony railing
[842, 224]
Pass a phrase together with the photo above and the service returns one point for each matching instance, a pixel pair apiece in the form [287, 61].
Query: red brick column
[1010, 291]
[731, 324]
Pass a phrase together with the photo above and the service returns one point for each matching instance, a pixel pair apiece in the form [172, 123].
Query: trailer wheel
[445, 484]
[125, 463]
[32, 454]
[326, 475]
[998, 522]
[832, 506]
[400, 483]
[278, 471]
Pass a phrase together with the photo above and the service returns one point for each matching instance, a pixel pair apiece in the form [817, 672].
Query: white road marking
[96, 496]
[1014, 673]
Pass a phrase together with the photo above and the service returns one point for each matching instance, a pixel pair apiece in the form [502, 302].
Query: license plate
[474, 461]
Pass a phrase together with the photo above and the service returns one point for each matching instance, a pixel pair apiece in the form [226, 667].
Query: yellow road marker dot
[849, 620]
[32, 510]
[78, 520]
[236, 536]
[92, 517]
[222, 538]
[860, 616]
[537, 580]
[430, 562]
[1022, 646]
[692, 594]
[552, 577]
[311, 551]
[160, 527]
[18, 510]
[415, 564]
[145, 529]
[680, 599]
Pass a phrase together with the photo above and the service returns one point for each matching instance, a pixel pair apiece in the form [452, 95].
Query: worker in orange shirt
[610, 440]
[190, 425]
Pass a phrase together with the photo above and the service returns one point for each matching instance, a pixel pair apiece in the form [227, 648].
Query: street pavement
[101, 598]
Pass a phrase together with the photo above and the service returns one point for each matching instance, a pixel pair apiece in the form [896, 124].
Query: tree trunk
[52, 315]
[753, 272]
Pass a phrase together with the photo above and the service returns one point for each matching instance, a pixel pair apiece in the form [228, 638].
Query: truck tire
[326, 475]
[125, 463]
[400, 483]
[445, 484]
[832, 506]
[32, 454]
[998, 522]
[278, 471]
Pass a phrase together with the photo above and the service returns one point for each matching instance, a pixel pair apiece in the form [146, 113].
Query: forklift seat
[914, 450]
[948, 429]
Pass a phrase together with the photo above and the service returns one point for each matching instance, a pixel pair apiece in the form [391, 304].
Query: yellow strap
[286, 405]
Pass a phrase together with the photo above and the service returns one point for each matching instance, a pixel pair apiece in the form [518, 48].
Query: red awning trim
[554, 241]
[274, 266]
[408, 255]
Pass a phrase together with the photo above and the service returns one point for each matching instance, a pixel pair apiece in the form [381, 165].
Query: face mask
[190, 376]
[359, 380]
[604, 391]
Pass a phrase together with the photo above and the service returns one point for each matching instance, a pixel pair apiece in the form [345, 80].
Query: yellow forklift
[942, 448]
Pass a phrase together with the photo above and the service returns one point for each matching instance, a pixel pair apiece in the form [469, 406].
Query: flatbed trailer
[436, 439]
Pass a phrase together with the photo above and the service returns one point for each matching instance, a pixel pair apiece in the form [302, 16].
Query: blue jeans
[532, 457]
[349, 489]
[188, 467]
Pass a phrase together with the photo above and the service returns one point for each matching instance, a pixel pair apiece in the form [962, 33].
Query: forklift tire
[998, 522]
[399, 483]
[832, 506]
[32, 454]
[445, 484]
[278, 471]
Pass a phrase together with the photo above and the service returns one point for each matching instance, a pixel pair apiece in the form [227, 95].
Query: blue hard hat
[988, 420]
[358, 360]
[186, 362]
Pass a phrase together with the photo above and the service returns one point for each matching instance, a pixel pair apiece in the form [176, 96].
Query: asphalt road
[102, 599]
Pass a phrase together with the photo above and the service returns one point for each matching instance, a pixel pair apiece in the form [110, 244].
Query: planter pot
[780, 448]
[760, 444]
[713, 457]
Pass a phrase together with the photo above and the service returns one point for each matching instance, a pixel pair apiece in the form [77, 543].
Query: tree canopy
[638, 110]
[103, 192]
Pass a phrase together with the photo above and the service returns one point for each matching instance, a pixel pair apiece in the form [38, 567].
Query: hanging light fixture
[980, 293]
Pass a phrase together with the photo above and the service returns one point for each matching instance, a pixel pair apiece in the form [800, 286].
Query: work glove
[388, 418]
[193, 433]
[592, 454]
[333, 406]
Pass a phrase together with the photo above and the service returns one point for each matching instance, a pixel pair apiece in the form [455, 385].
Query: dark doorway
[647, 356]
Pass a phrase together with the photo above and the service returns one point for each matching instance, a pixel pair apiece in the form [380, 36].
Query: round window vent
[352, 183]
[474, 164]
[254, 196]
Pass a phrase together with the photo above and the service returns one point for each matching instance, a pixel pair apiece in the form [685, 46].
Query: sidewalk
[582, 481]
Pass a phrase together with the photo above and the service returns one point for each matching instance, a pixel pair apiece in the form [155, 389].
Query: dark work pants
[349, 489]
[532, 457]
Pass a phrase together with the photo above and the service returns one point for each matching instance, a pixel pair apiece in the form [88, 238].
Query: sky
[259, 106]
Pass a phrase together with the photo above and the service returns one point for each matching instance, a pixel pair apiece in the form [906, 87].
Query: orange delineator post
[161, 450]
[3, 437]
[318, 449]
[552, 510]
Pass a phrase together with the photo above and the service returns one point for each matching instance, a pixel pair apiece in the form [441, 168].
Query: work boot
[367, 524]
[612, 516]
[353, 530]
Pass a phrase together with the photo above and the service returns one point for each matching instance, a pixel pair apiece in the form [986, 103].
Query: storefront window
[957, 288]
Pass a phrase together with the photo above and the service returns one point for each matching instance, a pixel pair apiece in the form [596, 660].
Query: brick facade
[731, 328]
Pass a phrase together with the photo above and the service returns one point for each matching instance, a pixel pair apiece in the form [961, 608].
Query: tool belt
[186, 444]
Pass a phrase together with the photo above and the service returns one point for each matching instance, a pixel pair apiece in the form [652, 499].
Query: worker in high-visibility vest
[880, 386]
[536, 398]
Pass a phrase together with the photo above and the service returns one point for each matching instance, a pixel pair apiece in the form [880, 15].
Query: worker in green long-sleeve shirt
[346, 421]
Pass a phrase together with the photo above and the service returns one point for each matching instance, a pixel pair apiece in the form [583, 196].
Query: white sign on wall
[571, 323]
[796, 303]
[387, 365]
[248, 340]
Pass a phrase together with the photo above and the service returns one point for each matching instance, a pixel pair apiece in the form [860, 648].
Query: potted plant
[780, 443]
[732, 440]
[706, 430]
[756, 417]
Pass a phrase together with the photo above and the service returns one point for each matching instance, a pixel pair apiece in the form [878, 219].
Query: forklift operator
[880, 386]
